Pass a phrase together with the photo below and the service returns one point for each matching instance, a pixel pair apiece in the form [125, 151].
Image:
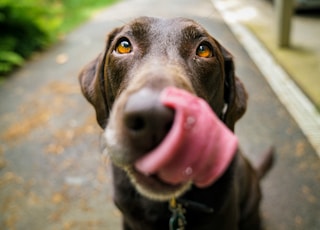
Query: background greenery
[30, 25]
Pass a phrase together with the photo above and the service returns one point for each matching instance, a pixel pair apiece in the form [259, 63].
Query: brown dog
[124, 83]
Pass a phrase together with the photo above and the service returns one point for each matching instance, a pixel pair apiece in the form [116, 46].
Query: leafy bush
[26, 26]
[29, 25]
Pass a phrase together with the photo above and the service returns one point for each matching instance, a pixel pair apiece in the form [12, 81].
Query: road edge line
[289, 94]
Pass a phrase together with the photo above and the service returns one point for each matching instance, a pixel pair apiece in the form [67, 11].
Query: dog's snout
[146, 120]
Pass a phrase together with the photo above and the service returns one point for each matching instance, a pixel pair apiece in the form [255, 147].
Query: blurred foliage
[30, 25]
[77, 11]
[25, 26]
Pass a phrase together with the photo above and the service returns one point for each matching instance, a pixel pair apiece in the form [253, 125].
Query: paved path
[51, 174]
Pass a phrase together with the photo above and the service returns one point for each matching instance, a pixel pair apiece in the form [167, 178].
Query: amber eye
[204, 51]
[124, 47]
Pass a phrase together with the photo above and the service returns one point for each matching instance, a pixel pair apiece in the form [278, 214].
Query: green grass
[33, 25]
[76, 12]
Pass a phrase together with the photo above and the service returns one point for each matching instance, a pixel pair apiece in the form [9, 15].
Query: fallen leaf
[62, 58]
[3, 163]
[57, 198]
[54, 149]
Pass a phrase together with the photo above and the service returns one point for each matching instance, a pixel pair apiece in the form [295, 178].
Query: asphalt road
[51, 173]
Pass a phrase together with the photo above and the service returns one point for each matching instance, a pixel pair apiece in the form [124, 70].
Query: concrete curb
[298, 105]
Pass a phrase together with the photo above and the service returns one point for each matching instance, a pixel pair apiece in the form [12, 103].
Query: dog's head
[141, 59]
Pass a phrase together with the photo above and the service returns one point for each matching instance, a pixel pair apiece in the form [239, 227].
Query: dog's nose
[146, 120]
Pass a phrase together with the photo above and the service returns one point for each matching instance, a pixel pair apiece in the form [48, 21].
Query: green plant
[26, 26]
[30, 25]
[76, 11]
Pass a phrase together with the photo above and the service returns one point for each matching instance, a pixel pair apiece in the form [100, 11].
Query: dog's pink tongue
[199, 147]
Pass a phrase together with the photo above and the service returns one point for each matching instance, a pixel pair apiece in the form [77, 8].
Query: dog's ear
[94, 83]
[90, 81]
[235, 95]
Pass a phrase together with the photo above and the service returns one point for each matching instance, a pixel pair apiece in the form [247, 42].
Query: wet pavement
[51, 173]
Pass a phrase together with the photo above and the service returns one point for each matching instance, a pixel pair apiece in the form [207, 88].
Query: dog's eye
[204, 51]
[124, 47]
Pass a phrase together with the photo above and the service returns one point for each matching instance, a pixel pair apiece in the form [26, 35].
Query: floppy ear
[235, 95]
[94, 83]
[91, 80]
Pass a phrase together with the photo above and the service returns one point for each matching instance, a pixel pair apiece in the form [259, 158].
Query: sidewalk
[294, 84]
[51, 174]
[301, 60]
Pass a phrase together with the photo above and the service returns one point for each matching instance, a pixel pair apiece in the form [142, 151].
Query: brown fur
[164, 55]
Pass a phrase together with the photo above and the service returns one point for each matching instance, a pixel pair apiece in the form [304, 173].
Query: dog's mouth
[153, 187]
[197, 150]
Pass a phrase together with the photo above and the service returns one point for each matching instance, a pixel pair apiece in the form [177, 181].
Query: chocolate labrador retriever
[124, 84]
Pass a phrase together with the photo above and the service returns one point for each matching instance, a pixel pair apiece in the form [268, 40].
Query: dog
[140, 60]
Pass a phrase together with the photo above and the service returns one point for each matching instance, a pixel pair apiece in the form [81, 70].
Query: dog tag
[177, 220]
